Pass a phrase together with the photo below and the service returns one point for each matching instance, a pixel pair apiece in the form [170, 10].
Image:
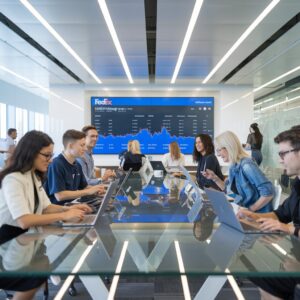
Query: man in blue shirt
[65, 179]
[87, 161]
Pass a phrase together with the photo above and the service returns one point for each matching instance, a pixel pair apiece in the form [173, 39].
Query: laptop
[227, 216]
[157, 165]
[93, 219]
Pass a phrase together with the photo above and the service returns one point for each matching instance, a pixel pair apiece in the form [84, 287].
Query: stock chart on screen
[153, 121]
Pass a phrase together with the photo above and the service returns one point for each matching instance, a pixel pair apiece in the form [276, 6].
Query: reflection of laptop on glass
[106, 236]
[157, 165]
[92, 220]
[226, 215]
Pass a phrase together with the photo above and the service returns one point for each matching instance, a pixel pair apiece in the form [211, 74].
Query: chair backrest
[276, 199]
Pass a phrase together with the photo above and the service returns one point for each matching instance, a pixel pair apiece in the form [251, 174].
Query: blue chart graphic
[149, 143]
[154, 122]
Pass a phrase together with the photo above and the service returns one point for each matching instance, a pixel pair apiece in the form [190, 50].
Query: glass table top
[149, 237]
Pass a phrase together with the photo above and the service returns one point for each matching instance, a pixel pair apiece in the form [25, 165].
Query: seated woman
[204, 155]
[134, 158]
[251, 187]
[173, 159]
[24, 203]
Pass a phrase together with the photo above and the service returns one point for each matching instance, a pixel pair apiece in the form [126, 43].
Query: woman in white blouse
[24, 203]
[174, 159]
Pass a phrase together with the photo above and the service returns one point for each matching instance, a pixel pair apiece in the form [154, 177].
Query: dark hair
[85, 129]
[296, 127]
[291, 135]
[257, 134]
[72, 135]
[25, 153]
[11, 130]
[207, 143]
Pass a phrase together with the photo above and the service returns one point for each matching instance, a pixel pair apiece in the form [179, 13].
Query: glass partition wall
[274, 113]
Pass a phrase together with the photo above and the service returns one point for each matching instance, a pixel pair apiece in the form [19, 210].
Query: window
[3, 127]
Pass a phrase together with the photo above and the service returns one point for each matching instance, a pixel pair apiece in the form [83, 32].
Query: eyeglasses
[47, 156]
[220, 149]
[282, 154]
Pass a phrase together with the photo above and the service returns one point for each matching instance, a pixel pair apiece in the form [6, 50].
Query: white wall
[64, 116]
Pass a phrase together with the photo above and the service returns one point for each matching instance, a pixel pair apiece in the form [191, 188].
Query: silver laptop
[92, 220]
[192, 182]
[226, 215]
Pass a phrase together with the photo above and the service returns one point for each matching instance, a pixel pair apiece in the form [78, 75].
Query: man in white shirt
[10, 143]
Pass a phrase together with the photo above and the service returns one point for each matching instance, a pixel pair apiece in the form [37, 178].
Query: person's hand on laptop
[73, 215]
[108, 174]
[84, 207]
[95, 189]
[268, 224]
[244, 213]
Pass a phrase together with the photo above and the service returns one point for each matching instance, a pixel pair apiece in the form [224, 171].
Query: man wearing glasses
[287, 217]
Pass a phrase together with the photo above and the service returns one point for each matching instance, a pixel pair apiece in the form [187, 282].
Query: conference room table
[149, 234]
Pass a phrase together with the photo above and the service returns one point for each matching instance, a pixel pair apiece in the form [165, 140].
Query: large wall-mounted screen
[154, 121]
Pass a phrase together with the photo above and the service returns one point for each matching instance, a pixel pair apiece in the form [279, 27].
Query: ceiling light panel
[173, 17]
[59, 38]
[242, 38]
[129, 22]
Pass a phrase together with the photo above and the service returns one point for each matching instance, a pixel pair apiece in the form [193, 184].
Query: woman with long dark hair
[254, 142]
[24, 203]
[204, 155]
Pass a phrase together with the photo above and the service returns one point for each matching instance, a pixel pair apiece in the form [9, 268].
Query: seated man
[286, 218]
[87, 162]
[65, 179]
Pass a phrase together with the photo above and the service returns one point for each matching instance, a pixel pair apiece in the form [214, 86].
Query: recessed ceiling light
[59, 38]
[47, 90]
[256, 22]
[187, 38]
[114, 36]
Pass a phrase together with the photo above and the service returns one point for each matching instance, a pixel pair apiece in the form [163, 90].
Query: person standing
[254, 142]
[87, 162]
[10, 142]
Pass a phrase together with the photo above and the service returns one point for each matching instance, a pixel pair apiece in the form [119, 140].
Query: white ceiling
[81, 24]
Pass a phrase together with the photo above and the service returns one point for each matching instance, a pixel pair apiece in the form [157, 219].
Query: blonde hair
[232, 144]
[135, 147]
[175, 151]
[129, 145]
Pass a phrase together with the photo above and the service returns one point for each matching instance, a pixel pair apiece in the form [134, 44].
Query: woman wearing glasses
[251, 187]
[204, 155]
[24, 203]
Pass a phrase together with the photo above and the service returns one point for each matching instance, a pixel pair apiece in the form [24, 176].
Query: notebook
[227, 216]
[93, 219]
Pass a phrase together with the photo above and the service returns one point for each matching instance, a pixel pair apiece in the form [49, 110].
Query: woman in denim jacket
[251, 187]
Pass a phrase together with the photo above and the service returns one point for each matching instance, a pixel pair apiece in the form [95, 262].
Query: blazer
[17, 197]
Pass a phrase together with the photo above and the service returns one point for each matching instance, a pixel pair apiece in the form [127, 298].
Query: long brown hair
[175, 150]
[26, 151]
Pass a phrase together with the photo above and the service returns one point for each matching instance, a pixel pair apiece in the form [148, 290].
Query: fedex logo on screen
[105, 101]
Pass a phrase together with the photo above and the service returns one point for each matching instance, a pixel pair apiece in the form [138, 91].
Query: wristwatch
[296, 231]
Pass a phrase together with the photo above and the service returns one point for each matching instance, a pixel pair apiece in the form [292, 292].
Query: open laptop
[93, 219]
[157, 165]
[227, 216]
